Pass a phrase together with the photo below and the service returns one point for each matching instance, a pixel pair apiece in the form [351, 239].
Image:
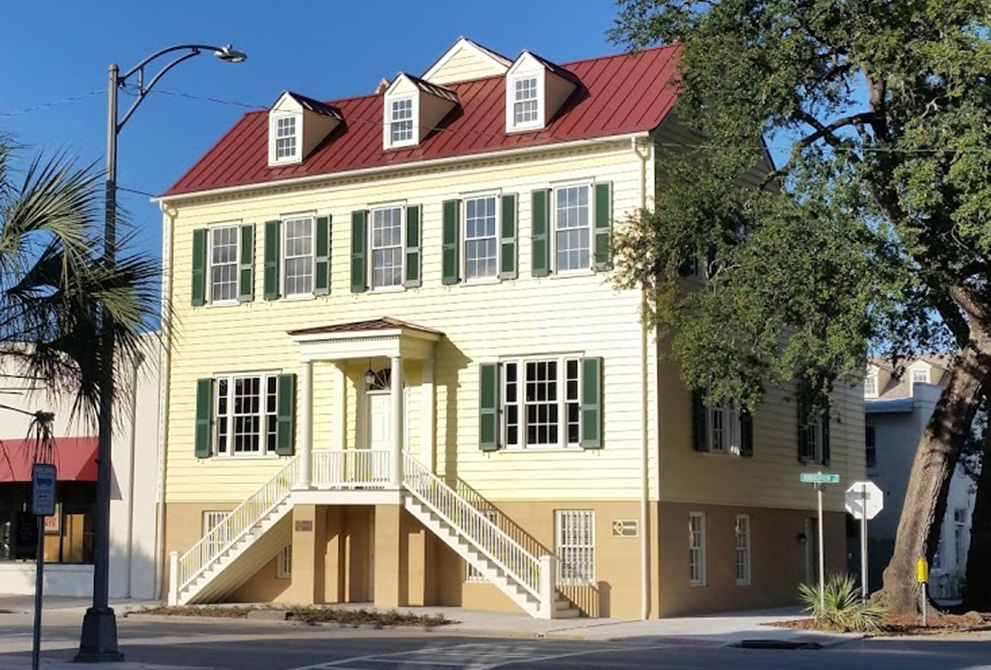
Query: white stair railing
[492, 541]
[357, 468]
[233, 526]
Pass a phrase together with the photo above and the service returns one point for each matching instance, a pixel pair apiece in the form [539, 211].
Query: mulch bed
[911, 624]
[316, 614]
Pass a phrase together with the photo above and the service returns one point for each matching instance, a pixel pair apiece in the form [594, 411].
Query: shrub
[843, 611]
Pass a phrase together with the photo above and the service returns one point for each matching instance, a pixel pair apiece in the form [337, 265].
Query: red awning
[75, 459]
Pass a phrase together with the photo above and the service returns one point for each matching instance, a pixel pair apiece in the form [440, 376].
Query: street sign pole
[822, 555]
[43, 478]
[863, 545]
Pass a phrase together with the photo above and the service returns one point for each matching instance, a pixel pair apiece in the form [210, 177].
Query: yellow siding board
[465, 65]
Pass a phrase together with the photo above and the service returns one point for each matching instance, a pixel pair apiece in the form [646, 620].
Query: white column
[340, 406]
[546, 587]
[306, 426]
[396, 392]
[173, 578]
[427, 451]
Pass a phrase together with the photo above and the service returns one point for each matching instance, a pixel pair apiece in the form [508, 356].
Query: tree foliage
[873, 232]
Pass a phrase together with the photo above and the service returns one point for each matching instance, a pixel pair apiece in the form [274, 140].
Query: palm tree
[54, 284]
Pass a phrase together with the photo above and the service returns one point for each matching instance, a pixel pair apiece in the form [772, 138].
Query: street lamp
[98, 642]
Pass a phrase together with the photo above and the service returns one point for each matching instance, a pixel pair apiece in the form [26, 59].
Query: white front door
[379, 436]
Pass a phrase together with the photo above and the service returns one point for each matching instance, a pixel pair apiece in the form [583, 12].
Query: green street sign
[819, 478]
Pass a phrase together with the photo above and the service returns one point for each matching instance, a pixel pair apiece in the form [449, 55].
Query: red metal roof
[621, 94]
[75, 459]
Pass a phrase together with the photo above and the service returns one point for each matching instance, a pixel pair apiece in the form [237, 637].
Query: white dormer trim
[872, 383]
[554, 86]
[277, 122]
[420, 106]
[392, 107]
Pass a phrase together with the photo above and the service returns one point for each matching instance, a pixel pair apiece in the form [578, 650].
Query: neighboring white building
[898, 408]
[69, 534]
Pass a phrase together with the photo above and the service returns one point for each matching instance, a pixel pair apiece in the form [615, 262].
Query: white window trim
[539, 123]
[873, 375]
[748, 556]
[283, 563]
[559, 544]
[283, 293]
[273, 150]
[818, 454]
[463, 239]
[552, 230]
[562, 402]
[701, 549]
[208, 279]
[395, 288]
[263, 453]
[732, 429]
[415, 118]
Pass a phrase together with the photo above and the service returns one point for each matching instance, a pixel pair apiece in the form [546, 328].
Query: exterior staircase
[257, 529]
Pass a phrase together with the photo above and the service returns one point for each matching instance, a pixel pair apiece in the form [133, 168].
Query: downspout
[164, 366]
[130, 475]
[644, 414]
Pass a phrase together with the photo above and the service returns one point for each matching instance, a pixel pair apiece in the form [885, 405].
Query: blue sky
[61, 49]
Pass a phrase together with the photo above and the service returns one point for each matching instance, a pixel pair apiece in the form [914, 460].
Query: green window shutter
[412, 269]
[359, 242]
[700, 426]
[246, 268]
[602, 229]
[488, 403]
[540, 203]
[321, 261]
[204, 418]
[451, 225]
[591, 404]
[507, 238]
[826, 419]
[272, 233]
[746, 434]
[286, 416]
[199, 267]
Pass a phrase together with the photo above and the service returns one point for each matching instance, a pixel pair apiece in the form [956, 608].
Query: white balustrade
[491, 540]
[233, 527]
[352, 468]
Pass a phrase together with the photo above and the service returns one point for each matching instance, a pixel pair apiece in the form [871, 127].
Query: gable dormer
[296, 126]
[465, 61]
[536, 89]
[412, 108]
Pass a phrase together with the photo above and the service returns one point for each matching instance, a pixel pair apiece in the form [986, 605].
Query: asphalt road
[260, 645]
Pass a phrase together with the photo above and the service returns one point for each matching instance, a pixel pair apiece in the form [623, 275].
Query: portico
[366, 450]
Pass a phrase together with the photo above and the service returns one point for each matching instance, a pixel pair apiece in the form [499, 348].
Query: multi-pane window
[298, 255]
[471, 573]
[959, 534]
[541, 402]
[696, 549]
[481, 244]
[742, 545]
[525, 110]
[247, 415]
[724, 433]
[920, 376]
[870, 442]
[402, 120]
[224, 250]
[870, 385]
[574, 545]
[813, 440]
[283, 567]
[285, 137]
[387, 247]
[572, 228]
[217, 540]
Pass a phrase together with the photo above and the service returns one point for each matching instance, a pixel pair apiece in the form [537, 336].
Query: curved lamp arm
[226, 53]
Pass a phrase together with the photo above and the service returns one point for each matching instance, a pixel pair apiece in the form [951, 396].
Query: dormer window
[525, 102]
[296, 126]
[413, 108]
[536, 90]
[402, 121]
[286, 141]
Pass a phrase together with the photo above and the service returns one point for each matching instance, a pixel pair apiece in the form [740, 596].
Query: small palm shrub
[843, 612]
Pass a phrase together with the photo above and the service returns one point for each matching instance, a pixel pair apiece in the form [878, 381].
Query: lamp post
[98, 642]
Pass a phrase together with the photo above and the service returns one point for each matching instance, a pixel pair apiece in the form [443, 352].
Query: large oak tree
[873, 232]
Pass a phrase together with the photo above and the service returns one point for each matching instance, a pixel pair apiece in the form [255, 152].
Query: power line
[53, 103]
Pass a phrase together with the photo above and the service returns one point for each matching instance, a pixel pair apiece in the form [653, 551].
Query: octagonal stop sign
[864, 498]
